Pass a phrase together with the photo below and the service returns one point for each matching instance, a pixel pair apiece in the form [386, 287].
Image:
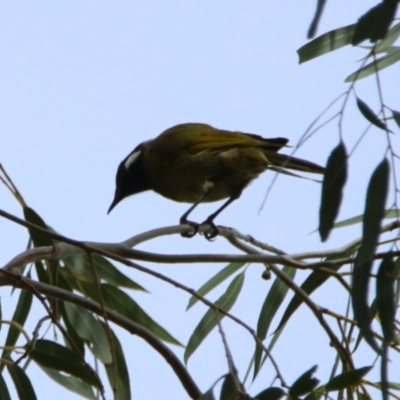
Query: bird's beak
[113, 204]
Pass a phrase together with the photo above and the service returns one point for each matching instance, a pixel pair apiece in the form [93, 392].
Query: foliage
[84, 293]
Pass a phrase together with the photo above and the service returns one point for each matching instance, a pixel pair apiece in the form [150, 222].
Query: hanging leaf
[332, 189]
[20, 315]
[220, 277]
[52, 355]
[373, 215]
[317, 16]
[22, 383]
[119, 372]
[71, 383]
[209, 320]
[385, 296]
[270, 307]
[370, 115]
[39, 239]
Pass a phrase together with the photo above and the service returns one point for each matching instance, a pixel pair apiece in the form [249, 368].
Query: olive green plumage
[196, 163]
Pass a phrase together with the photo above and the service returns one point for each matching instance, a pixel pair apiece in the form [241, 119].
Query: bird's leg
[210, 220]
[184, 221]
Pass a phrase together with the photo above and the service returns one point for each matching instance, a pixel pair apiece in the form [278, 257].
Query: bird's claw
[213, 233]
[193, 225]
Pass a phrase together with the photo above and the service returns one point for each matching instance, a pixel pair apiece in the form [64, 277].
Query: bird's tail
[284, 161]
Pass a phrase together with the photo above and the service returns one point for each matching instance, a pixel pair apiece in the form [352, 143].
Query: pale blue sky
[83, 82]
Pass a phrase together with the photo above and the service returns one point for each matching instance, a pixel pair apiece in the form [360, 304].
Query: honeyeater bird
[196, 163]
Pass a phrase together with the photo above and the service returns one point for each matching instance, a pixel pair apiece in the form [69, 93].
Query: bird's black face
[130, 177]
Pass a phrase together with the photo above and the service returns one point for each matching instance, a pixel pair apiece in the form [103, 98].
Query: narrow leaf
[389, 214]
[312, 282]
[317, 16]
[375, 23]
[377, 65]
[209, 320]
[385, 297]
[119, 301]
[80, 265]
[220, 277]
[304, 384]
[20, 314]
[272, 393]
[347, 379]
[52, 355]
[4, 393]
[370, 115]
[22, 383]
[396, 117]
[389, 40]
[71, 383]
[89, 329]
[326, 43]
[209, 395]
[374, 212]
[228, 389]
[119, 372]
[332, 188]
[271, 305]
[39, 239]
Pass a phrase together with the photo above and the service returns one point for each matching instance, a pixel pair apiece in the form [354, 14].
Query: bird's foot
[195, 228]
[213, 232]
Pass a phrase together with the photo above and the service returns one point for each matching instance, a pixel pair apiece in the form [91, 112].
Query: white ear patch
[131, 158]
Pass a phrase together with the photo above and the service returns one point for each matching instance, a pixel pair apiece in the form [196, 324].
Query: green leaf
[119, 372]
[209, 395]
[271, 305]
[228, 389]
[317, 17]
[71, 383]
[370, 115]
[326, 43]
[374, 212]
[272, 393]
[304, 384]
[386, 61]
[220, 277]
[396, 117]
[52, 355]
[90, 330]
[332, 188]
[389, 214]
[347, 379]
[119, 301]
[316, 394]
[20, 314]
[389, 40]
[22, 383]
[80, 265]
[312, 282]
[209, 320]
[375, 23]
[39, 239]
[386, 298]
[4, 393]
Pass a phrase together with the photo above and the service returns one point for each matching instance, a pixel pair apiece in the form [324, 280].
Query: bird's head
[130, 178]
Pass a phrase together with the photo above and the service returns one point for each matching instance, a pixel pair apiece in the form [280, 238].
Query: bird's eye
[131, 158]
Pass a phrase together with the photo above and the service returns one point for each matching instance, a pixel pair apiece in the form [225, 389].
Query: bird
[197, 163]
